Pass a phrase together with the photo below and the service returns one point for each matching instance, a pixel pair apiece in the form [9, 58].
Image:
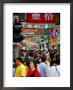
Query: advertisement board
[41, 18]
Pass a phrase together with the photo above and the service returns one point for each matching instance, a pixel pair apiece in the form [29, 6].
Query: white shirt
[54, 71]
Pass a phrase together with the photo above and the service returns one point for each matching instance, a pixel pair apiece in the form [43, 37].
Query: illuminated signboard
[29, 25]
[41, 18]
[35, 25]
[52, 32]
[29, 30]
[54, 41]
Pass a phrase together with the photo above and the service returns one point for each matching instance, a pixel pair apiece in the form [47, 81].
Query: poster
[29, 41]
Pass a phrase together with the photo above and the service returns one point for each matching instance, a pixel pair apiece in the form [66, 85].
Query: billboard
[41, 17]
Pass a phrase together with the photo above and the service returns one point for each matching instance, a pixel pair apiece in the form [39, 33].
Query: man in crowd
[21, 69]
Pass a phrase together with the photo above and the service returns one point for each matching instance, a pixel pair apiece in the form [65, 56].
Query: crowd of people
[31, 63]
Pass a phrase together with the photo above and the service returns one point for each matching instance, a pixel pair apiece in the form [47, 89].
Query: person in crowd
[21, 69]
[31, 57]
[22, 54]
[47, 55]
[52, 54]
[17, 29]
[48, 62]
[38, 56]
[54, 70]
[46, 52]
[42, 67]
[57, 55]
[14, 68]
[25, 56]
[33, 71]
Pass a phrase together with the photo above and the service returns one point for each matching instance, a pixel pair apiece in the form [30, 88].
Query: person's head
[19, 61]
[33, 64]
[15, 18]
[56, 62]
[31, 53]
[38, 54]
[43, 58]
[53, 47]
[22, 52]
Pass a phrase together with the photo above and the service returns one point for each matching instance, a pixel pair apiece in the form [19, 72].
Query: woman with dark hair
[54, 70]
[33, 72]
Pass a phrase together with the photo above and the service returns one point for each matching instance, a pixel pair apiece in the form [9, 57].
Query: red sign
[23, 44]
[41, 18]
[27, 36]
[29, 30]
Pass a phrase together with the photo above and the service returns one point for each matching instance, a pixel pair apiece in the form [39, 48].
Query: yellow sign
[53, 40]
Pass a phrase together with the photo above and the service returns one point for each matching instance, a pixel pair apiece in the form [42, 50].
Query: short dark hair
[19, 59]
[21, 50]
[53, 46]
[43, 59]
[56, 62]
[35, 63]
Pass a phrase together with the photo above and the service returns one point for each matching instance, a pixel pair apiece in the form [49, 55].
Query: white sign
[24, 24]
[35, 25]
[29, 25]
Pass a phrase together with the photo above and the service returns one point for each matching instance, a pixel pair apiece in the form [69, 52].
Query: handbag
[57, 70]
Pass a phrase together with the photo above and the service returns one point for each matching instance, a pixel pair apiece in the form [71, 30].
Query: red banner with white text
[41, 18]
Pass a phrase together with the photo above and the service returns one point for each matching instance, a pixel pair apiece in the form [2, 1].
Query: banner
[41, 18]
[53, 32]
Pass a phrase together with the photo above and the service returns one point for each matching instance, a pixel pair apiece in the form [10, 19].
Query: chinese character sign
[41, 18]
